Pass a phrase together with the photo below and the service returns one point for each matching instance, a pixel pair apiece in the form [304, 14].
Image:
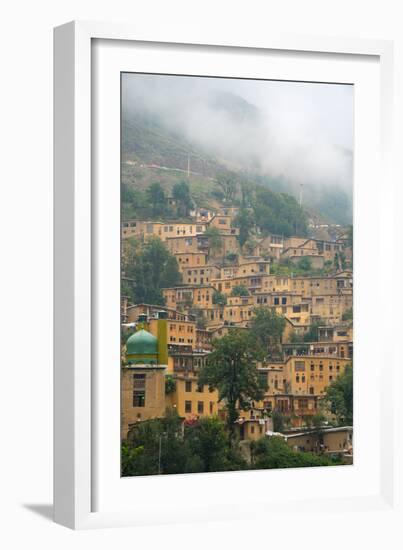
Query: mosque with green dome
[143, 373]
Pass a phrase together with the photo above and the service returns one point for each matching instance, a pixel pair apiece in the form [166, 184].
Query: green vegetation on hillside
[147, 269]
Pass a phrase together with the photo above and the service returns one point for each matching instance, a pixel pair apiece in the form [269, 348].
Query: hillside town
[296, 292]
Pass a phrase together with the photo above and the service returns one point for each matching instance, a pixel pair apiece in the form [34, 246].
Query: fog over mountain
[302, 132]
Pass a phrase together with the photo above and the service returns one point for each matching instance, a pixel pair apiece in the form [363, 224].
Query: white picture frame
[78, 208]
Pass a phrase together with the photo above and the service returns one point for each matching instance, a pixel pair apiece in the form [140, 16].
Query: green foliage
[149, 268]
[231, 256]
[244, 221]
[239, 290]
[312, 335]
[164, 446]
[278, 421]
[157, 199]
[214, 239]
[170, 384]
[267, 328]
[231, 369]
[208, 441]
[181, 194]
[228, 185]
[278, 213]
[347, 315]
[339, 397]
[273, 452]
[219, 298]
[305, 264]
[200, 319]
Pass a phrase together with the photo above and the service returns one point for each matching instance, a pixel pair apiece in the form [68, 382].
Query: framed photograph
[218, 234]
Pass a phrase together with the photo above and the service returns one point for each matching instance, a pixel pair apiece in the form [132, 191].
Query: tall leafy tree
[149, 269]
[267, 326]
[157, 199]
[278, 213]
[228, 185]
[214, 239]
[181, 194]
[339, 397]
[244, 221]
[231, 369]
[208, 440]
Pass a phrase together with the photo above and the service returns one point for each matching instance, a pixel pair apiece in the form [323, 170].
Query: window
[299, 366]
[188, 385]
[211, 407]
[252, 429]
[139, 390]
[188, 406]
[199, 388]
[200, 407]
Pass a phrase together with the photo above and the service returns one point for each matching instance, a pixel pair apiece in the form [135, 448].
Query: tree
[207, 440]
[278, 421]
[156, 197]
[150, 268]
[155, 447]
[170, 384]
[239, 290]
[244, 221]
[278, 213]
[181, 194]
[214, 239]
[339, 397]
[273, 452]
[347, 315]
[267, 326]
[305, 264]
[312, 335]
[231, 369]
[219, 298]
[228, 185]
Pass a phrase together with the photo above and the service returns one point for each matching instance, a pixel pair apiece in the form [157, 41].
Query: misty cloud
[301, 131]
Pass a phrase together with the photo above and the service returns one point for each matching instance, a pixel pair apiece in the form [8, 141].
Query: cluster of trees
[272, 212]
[153, 201]
[273, 452]
[148, 267]
[167, 446]
[339, 397]
[278, 213]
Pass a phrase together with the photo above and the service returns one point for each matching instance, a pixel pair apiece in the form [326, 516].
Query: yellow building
[185, 245]
[198, 275]
[163, 230]
[312, 375]
[191, 259]
[143, 375]
[189, 296]
[191, 400]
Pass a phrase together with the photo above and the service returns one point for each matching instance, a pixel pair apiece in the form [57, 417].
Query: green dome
[142, 343]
